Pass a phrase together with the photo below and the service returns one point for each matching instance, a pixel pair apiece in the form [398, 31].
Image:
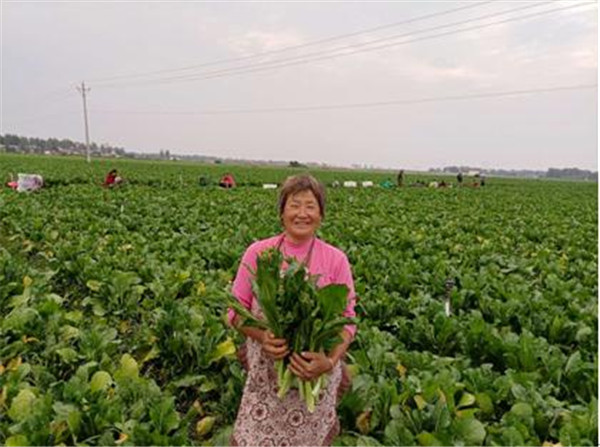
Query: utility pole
[83, 90]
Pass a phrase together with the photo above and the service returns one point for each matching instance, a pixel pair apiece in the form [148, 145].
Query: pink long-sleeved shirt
[326, 260]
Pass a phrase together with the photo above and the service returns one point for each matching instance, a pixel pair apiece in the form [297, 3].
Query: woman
[227, 181]
[112, 179]
[263, 418]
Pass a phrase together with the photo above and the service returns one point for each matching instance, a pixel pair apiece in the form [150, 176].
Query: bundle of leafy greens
[294, 308]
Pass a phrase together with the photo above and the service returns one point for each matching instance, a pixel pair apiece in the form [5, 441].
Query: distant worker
[459, 178]
[482, 180]
[227, 181]
[400, 179]
[204, 180]
[12, 183]
[26, 182]
[387, 184]
[112, 179]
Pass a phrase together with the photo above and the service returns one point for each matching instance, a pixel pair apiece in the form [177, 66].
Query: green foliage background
[112, 305]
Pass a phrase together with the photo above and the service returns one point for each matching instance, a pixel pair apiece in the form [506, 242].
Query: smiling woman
[264, 418]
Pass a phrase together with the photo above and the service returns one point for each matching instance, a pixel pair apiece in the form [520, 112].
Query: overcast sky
[389, 84]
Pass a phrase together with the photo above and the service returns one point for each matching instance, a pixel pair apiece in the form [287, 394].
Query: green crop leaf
[17, 441]
[93, 285]
[205, 425]
[484, 401]
[129, 368]
[163, 415]
[470, 431]
[522, 410]
[427, 439]
[100, 381]
[223, 349]
[466, 400]
[22, 405]
[68, 355]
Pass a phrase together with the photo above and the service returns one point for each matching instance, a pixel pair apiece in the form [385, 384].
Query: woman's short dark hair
[299, 183]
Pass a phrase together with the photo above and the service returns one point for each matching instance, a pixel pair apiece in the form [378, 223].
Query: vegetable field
[478, 307]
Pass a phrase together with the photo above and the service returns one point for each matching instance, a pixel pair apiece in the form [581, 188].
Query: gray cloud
[49, 47]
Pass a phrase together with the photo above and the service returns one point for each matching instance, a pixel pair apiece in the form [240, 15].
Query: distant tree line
[573, 173]
[556, 173]
[17, 144]
[54, 146]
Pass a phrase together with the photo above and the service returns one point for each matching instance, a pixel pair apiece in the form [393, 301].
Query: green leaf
[512, 437]
[17, 440]
[19, 318]
[466, 400]
[522, 410]
[164, 416]
[70, 414]
[93, 285]
[69, 332]
[397, 433]
[224, 349]
[208, 386]
[484, 401]
[420, 401]
[22, 405]
[129, 368]
[332, 300]
[583, 333]
[67, 355]
[427, 439]
[100, 381]
[74, 421]
[223, 436]
[188, 381]
[573, 362]
[367, 441]
[75, 316]
[205, 425]
[470, 431]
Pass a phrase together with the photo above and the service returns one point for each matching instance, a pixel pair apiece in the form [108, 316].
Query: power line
[53, 97]
[464, 97]
[280, 64]
[379, 47]
[293, 47]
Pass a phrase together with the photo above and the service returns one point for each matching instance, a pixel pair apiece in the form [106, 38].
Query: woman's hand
[275, 348]
[310, 365]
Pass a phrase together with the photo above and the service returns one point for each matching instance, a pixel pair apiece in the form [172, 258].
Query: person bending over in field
[26, 182]
[263, 418]
[227, 181]
[12, 183]
[112, 179]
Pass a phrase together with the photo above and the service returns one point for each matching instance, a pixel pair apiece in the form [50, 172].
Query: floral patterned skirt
[264, 419]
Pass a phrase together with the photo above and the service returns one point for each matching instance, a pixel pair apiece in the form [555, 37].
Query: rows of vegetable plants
[477, 307]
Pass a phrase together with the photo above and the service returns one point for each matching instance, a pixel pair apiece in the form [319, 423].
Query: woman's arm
[310, 365]
[275, 348]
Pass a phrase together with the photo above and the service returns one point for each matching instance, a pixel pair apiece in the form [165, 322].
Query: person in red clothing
[227, 181]
[12, 183]
[112, 179]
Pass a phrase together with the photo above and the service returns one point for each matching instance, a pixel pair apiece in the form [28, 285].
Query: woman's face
[301, 215]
